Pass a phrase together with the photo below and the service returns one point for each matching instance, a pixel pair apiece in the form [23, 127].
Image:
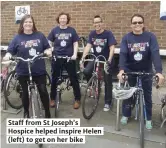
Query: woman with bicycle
[65, 41]
[103, 43]
[138, 50]
[26, 44]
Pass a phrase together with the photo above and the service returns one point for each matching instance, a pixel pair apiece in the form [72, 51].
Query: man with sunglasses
[138, 50]
[103, 43]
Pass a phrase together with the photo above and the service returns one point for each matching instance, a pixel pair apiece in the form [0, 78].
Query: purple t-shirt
[101, 42]
[138, 51]
[27, 46]
[63, 40]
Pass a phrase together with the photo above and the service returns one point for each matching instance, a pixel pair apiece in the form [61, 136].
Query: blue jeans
[147, 90]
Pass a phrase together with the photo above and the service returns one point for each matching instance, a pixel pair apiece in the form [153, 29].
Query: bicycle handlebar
[29, 59]
[124, 76]
[96, 60]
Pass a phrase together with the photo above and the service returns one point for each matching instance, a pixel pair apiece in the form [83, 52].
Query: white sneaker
[106, 107]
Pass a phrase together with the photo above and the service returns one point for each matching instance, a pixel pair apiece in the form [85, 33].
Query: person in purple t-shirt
[103, 43]
[65, 43]
[138, 50]
[26, 44]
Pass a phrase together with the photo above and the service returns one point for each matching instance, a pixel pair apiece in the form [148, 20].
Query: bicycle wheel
[57, 102]
[141, 106]
[92, 94]
[163, 112]
[34, 106]
[13, 91]
[48, 79]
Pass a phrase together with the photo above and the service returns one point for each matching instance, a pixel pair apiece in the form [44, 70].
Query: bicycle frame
[139, 92]
[31, 84]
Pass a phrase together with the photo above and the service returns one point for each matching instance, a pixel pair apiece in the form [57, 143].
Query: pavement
[127, 137]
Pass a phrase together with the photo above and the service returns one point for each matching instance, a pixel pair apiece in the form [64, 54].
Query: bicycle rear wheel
[13, 91]
[91, 97]
[57, 102]
[141, 97]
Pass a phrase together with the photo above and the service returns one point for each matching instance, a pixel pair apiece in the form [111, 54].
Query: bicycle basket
[123, 93]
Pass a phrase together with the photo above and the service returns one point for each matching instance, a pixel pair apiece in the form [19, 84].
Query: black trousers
[41, 85]
[57, 67]
[107, 79]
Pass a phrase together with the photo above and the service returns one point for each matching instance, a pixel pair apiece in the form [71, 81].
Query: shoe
[76, 104]
[47, 115]
[52, 103]
[149, 124]
[124, 120]
[106, 107]
[26, 114]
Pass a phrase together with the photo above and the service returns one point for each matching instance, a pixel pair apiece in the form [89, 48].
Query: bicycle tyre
[48, 79]
[34, 107]
[6, 87]
[163, 112]
[93, 79]
[57, 102]
[141, 119]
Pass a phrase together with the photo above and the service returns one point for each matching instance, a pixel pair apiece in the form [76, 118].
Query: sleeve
[111, 39]
[75, 36]
[51, 36]
[12, 48]
[154, 48]
[123, 54]
[45, 42]
[90, 38]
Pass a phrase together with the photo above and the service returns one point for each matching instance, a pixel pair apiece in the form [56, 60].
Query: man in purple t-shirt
[103, 43]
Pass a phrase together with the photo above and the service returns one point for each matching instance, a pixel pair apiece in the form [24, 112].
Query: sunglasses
[134, 23]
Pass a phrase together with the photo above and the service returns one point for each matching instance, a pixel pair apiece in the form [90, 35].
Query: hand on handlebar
[73, 57]
[7, 57]
[48, 52]
[120, 76]
[160, 79]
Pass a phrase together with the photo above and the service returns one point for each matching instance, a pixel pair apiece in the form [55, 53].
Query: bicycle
[35, 105]
[11, 84]
[140, 102]
[93, 87]
[63, 78]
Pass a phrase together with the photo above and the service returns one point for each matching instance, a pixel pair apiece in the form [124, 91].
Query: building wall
[116, 16]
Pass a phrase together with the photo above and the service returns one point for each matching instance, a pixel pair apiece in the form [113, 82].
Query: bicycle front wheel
[141, 97]
[34, 106]
[13, 91]
[91, 98]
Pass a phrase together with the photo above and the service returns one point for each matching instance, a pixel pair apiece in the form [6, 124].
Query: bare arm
[111, 54]
[51, 44]
[86, 50]
[75, 44]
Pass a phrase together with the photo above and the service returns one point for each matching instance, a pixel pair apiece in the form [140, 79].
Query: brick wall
[116, 16]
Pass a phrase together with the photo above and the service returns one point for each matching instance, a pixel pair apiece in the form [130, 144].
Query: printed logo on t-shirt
[99, 43]
[138, 56]
[98, 49]
[63, 36]
[31, 43]
[32, 52]
[138, 46]
[63, 43]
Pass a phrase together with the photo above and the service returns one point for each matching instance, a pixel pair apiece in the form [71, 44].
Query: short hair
[63, 13]
[21, 29]
[138, 15]
[98, 16]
